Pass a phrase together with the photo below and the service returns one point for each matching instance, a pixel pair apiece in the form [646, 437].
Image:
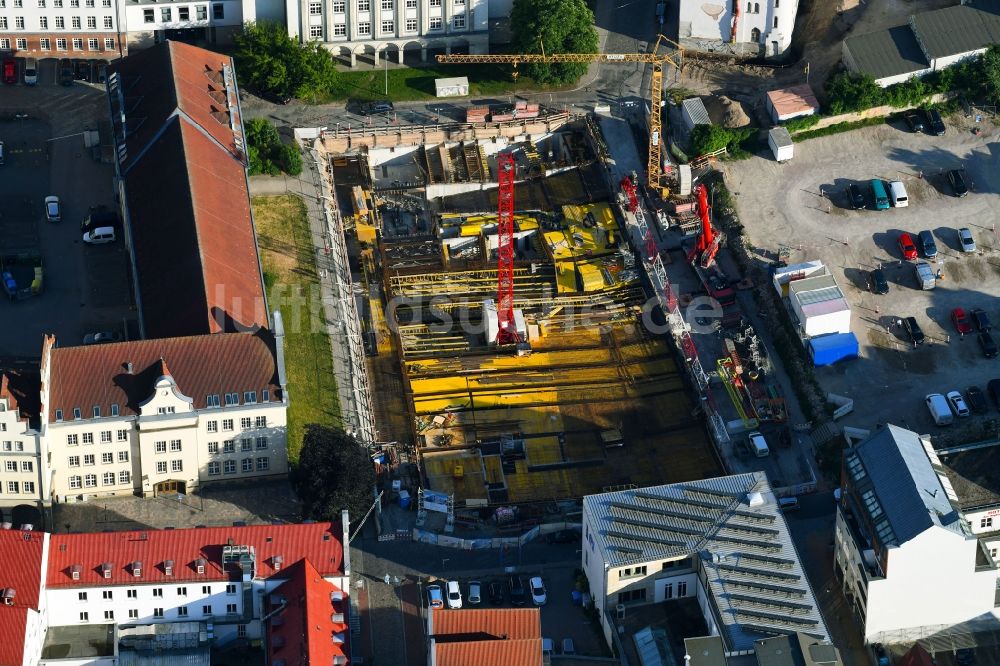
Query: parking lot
[803, 206]
[84, 288]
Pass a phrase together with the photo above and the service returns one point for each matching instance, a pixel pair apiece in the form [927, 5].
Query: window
[89, 459]
[176, 465]
[364, 28]
[241, 631]
[157, 612]
[82, 596]
[435, 23]
[92, 22]
[182, 591]
[212, 426]
[114, 410]
[265, 396]
[229, 466]
[160, 447]
[229, 446]
[105, 437]
[123, 456]
[133, 613]
[227, 424]
[75, 482]
[411, 4]
[339, 6]
[386, 5]
[245, 423]
[124, 477]
[206, 589]
[72, 440]
[19, 3]
[232, 399]
[22, 43]
[29, 487]
[97, 412]
[682, 589]
[261, 421]
[261, 443]
[147, 16]
[201, 14]
[212, 400]
[107, 458]
[339, 30]
[166, 14]
[993, 553]
[206, 610]
[161, 467]
[263, 464]
[213, 447]
[231, 609]
[75, 21]
[88, 438]
[218, 11]
[19, 446]
[90, 481]
[108, 594]
[435, 3]
[777, 3]
[315, 9]
[230, 588]
[60, 23]
[213, 469]
[364, 5]
[27, 466]
[11, 465]
[315, 31]
[13, 487]
[411, 25]
[756, 8]
[122, 435]
[109, 43]
[8, 445]
[157, 591]
[460, 21]
[250, 397]
[77, 44]
[171, 409]
[105, 3]
[108, 479]
[986, 522]
[246, 444]
[183, 13]
[182, 611]
[246, 465]
[84, 617]
[775, 21]
[632, 572]
[92, 44]
[632, 595]
[175, 445]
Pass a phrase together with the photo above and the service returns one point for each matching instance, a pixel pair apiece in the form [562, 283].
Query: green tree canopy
[560, 26]
[267, 154]
[335, 472]
[273, 64]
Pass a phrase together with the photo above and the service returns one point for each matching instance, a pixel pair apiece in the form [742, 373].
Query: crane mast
[507, 333]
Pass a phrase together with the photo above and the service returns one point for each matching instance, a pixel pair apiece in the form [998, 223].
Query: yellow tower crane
[656, 57]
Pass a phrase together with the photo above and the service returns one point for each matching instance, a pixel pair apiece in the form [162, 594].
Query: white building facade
[391, 29]
[757, 28]
[21, 465]
[77, 29]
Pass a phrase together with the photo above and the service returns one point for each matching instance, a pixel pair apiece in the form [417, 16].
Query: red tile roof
[190, 224]
[319, 542]
[526, 652]
[20, 570]
[303, 632]
[485, 624]
[201, 365]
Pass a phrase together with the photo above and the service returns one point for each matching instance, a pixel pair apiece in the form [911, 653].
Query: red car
[961, 321]
[9, 71]
[907, 247]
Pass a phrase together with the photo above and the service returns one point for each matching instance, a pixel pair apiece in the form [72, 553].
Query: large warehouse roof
[959, 29]
[887, 52]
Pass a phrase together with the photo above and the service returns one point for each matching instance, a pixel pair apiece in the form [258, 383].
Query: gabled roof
[21, 555]
[887, 53]
[957, 29]
[306, 631]
[202, 365]
[486, 636]
[20, 388]
[794, 100]
[908, 482]
[87, 554]
[189, 220]
[525, 652]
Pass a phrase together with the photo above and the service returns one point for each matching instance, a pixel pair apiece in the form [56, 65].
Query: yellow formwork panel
[493, 468]
[543, 450]
[566, 278]
[601, 211]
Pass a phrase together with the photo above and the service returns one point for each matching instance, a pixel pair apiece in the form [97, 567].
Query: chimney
[128, 367]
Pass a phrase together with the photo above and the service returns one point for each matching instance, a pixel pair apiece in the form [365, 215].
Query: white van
[897, 195]
[100, 235]
[939, 409]
[30, 71]
[758, 445]
[788, 503]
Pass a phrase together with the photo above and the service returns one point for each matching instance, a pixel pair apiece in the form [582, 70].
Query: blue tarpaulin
[828, 349]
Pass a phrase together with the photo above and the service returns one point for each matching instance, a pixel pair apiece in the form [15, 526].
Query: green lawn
[293, 287]
[417, 83]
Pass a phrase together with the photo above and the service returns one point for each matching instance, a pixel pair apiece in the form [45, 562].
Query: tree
[709, 138]
[558, 26]
[335, 472]
[273, 64]
[267, 154]
[990, 81]
[848, 92]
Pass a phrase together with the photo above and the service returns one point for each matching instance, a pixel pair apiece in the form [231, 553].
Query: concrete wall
[874, 112]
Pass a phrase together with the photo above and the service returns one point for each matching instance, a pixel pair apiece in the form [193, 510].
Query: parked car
[913, 330]
[927, 244]
[934, 122]
[957, 181]
[961, 321]
[9, 71]
[987, 344]
[434, 597]
[496, 593]
[567, 646]
[66, 72]
[537, 591]
[877, 282]
[30, 71]
[454, 595]
[907, 247]
[373, 108]
[966, 240]
[52, 211]
[855, 196]
[515, 588]
[980, 319]
[914, 121]
[548, 647]
[100, 235]
[993, 388]
[977, 400]
[102, 337]
[475, 589]
[957, 403]
[939, 409]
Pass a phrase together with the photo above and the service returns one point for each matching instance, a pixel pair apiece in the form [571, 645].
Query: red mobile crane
[507, 333]
[701, 256]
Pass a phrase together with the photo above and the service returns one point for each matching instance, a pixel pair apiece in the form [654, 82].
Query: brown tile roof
[21, 389]
[201, 365]
[307, 627]
[189, 219]
[527, 652]
[479, 624]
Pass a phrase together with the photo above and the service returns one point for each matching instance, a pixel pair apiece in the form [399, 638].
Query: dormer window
[165, 410]
[213, 400]
[168, 567]
[97, 411]
[59, 415]
[77, 414]
[114, 410]
[250, 397]
[278, 561]
[75, 572]
[199, 566]
[232, 399]
[137, 569]
[106, 569]
[265, 396]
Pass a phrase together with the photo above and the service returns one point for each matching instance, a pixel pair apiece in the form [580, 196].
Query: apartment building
[722, 541]
[21, 462]
[751, 28]
[23, 607]
[391, 29]
[161, 416]
[909, 562]
[974, 473]
[76, 29]
[150, 22]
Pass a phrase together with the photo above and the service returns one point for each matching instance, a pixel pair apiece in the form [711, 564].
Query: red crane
[507, 333]
[708, 241]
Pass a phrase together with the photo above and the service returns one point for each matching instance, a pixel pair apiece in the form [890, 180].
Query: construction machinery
[659, 57]
[507, 332]
[701, 256]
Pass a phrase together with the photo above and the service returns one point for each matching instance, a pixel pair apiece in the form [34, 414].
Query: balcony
[869, 566]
